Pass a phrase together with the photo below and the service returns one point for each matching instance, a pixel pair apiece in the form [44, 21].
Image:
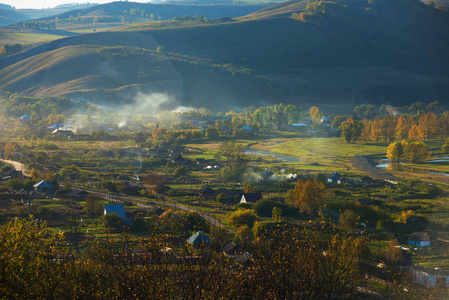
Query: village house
[325, 121]
[178, 159]
[250, 197]
[299, 127]
[25, 119]
[206, 192]
[416, 221]
[118, 209]
[55, 126]
[334, 178]
[44, 187]
[63, 133]
[199, 239]
[419, 239]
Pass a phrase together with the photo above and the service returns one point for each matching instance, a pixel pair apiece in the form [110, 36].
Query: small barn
[229, 248]
[416, 221]
[44, 187]
[206, 192]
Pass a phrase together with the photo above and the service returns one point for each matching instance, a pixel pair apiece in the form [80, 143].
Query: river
[386, 164]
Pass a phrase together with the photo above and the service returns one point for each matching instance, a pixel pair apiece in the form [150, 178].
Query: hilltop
[61, 21]
[8, 16]
[345, 50]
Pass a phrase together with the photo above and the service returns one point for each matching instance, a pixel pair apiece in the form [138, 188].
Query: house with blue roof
[118, 209]
[44, 187]
[325, 120]
[25, 117]
[199, 238]
[55, 126]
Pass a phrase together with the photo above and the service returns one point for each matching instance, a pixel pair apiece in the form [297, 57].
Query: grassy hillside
[9, 17]
[137, 12]
[345, 50]
[125, 71]
[87, 19]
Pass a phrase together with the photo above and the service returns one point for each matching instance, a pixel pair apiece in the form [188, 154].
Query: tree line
[426, 126]
[40, 25]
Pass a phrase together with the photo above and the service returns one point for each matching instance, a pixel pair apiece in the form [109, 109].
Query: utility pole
[29, 203]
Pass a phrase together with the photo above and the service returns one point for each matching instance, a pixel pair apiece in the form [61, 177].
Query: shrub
[264, 208]
[244, 217]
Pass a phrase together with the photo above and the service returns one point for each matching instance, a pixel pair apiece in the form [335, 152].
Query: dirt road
[16, 165]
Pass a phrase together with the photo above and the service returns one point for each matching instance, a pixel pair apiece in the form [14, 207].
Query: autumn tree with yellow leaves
[308, 196]
[403, 125]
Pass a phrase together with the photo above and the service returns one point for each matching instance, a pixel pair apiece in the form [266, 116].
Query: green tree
[212, 133]
[233, 163]
[351, 130]
[262, 116]
[93, 206]
[113, 222]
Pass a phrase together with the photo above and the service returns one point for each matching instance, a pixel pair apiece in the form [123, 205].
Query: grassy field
[23, 37]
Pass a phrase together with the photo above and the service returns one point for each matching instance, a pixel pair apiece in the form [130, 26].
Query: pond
[286, 158]
[385, 163]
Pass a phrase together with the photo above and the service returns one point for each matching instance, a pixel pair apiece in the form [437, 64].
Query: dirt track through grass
[362, 164]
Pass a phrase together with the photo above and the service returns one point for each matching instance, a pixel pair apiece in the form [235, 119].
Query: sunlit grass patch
[32, 37]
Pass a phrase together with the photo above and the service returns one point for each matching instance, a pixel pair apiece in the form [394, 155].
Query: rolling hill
[299, 51]
[8, 17]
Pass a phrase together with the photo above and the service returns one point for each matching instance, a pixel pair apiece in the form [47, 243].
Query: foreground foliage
[295, 263]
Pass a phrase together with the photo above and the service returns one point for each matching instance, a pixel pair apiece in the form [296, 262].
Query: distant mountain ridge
[341, 51]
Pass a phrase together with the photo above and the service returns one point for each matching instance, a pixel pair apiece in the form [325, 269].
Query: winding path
[18, 166]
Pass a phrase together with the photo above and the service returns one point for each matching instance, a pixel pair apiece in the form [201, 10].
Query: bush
[113, 222]
[264, 208]
[244, 217]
